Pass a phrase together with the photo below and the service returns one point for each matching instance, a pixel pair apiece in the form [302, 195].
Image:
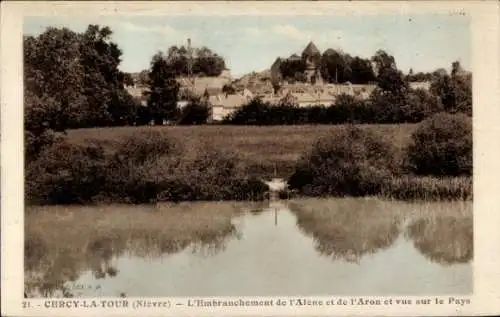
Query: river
[348, 246]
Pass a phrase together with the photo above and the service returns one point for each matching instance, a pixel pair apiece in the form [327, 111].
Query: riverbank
[208, 163]
[416, 188]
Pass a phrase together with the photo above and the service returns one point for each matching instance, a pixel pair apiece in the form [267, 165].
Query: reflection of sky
[280, 260]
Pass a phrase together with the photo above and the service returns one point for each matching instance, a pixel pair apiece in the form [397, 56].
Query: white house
[224, 105]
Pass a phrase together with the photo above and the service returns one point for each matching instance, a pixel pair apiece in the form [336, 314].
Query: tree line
[393, 101]
[72, 80]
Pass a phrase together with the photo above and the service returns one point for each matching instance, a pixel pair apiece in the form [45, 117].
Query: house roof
[228, 101]
[311, 50]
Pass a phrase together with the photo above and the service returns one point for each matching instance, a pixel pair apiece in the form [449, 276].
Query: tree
[334, 67]
[455, 90]
[206, 62]
[382, 60]
[163, 90]
[195, 112]
[79, 73]
[362, 72]
[441, 146]
[289, 68]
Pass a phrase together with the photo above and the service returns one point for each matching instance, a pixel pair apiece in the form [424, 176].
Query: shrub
[142, 166]
[66, 173]
[196, 112]
[442, 145]
[419, 105]
[254, 112]
[349, 109]
[35, 143]
[353, 162]
[147, 146]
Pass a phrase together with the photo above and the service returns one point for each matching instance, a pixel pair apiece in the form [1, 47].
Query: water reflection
[348, 229]
[315, 246]
[52, 259]
[443, 239]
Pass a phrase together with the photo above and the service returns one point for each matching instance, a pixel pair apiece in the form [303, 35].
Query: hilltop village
[225, 94]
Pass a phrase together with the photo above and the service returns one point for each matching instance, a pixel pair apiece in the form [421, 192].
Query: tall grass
[411, 187]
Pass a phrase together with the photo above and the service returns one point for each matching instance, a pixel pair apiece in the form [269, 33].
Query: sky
[252, 43]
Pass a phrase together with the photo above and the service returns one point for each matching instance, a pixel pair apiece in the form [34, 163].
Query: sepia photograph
[296, 155]
[249, 158]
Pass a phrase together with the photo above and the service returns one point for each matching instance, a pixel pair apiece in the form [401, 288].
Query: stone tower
[312, 58]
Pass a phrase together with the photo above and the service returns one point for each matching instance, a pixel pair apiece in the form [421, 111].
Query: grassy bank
[211, 163]
[265, 152]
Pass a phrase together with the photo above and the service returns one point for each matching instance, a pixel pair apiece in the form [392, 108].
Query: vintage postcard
[250, 158]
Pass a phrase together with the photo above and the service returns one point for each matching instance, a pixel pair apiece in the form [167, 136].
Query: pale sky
[252, 43]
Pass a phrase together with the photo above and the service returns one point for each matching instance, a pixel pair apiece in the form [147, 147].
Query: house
[314, 99]
[225, 104]
[426, 85]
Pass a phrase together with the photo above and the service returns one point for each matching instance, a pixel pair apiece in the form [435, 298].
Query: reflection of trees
[348, 229]
[49, 267]
[445, 239]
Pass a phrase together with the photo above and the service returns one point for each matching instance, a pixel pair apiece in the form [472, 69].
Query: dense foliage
[74, 77]
[195, 112]
[353, 162]
[163, 91]
[204, 62]
[442, 145]
[141, 169]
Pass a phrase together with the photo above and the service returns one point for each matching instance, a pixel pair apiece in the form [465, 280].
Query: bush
[144, 169]
[196, 112]
[353, 162]
[66, 173]
[442, 145]
[255, 112]
[142, 166]
[35, 143]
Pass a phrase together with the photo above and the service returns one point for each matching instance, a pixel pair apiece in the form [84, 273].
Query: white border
[486, 84]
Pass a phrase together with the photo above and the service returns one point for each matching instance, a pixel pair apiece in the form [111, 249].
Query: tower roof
[311, 50]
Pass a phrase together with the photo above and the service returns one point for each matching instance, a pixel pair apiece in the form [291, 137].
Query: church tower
[312, 58]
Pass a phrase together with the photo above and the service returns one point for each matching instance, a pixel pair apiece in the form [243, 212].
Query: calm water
[303, 247]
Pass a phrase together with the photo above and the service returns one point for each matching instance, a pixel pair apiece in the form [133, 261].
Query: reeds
[426, 188]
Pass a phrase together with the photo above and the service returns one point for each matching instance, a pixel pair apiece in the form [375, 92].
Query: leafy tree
[334, 67]
[353, 162]
[382, 60]
[78, 73]
[362, 71]
[290, 68]
[442, 145]
[206, 62]
[163, 90]
[455, 90]
[195, 112]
